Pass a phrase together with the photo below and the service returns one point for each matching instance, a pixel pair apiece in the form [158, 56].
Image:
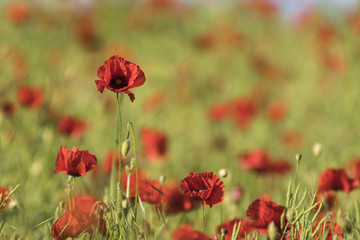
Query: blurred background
[223, 79]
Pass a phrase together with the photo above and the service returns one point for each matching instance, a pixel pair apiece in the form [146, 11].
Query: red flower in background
[8, 108]
[175, 202]
[355, 166]
[330, 227]
[71, 126]
[187, 232]
[108, 161]
[263, 212]
[336, 179]
[229, 227]
[205, 186]
[4, 192]
[155, 144]
[243, 110]
[218, 112]
[276, 111]
[30, 97]
[76, 162]
[18, 12]
[328, 198]
[119, 75]
[292, 139]
[94, 209]
[260, 161]
[71, 224]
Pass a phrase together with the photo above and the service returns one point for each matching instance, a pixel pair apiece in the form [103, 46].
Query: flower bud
[162, 179]
[298, 157]
[317, 149]
[223, 173]
[125, 147]
[125, 203]
[272, 231]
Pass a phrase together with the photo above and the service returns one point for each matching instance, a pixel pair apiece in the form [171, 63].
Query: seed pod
[125, 147]
[223, 173]
[272, 231]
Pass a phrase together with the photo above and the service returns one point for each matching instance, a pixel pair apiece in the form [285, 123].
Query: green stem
[73, 192]
[136, 169]
[119, 145]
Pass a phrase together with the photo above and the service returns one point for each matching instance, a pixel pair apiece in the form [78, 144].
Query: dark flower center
[200, 190]
[118, 83]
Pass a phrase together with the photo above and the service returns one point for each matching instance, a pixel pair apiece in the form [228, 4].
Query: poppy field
[163, 119]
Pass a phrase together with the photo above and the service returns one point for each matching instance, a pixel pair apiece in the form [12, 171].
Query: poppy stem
[73, 192]
[203, 215]
[136, 168]
[119, 145]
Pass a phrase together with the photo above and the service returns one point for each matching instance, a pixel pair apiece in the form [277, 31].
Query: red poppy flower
[71, 126]
[175, 202]
[4, 192]
[155, 144]
[263, 212]
[205, 186]
[71, 224]
[76, 162]
[8, 108]
[276, 112]
[262, 7]
[94, 209]
[243, 111]
[228, 226]
[30, 97]
[335, 228]
[336, 179]
[260, 161]
[218, 112]
[186, 232]
[85, 31]
[355, 166]
[119, 75]
[328, 198]
[18, 12]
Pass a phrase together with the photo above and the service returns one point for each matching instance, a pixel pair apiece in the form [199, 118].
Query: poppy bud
[272, 231]
[125, 147]
[162, 179]
[317, 149]
[125, 203]
[298, 157]
[223, 173]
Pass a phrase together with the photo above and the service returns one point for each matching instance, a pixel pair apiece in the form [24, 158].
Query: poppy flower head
[175, 201]
[75, 163]
[263, 212]
[93, 208]
[18, 12]
[243, 111]
[155, 144]
[205, 186]
[228, 226]
[218, 112]
[108, 161]
[355, 166]
[276, 112]
[71, 126]
[119, 75]
[187, 232]
[8, 108]
[337, 180]
[71, 224]
[30, 97]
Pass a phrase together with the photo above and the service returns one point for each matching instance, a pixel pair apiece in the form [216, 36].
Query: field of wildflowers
[160, 120]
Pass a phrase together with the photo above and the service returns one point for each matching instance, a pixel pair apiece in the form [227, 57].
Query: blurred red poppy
[71, 126]
[332, 230]
[336, 179]
[30, 97]
[263, 212]
[228, 227]
[94, 208]
[119, 75]
[328, 198]
[236, 193]
[276, 111]
[155, 144]
[4, 192]
[187, 232]
[18, 12]
[260, 161]
[262, 7]
[355, 167]
[292, 139]
[175, 202]
[205, 186]
[8, 108]
[243, 110]
[218, 112]
[85, 31]
[108, 160]
[75, 163]
[71, 224]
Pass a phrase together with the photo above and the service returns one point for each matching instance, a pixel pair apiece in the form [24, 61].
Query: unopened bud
[12, 204]
[125, 203]
[317, 149]
[125, 147]
[298, 157]
[223, 173]
[162, 179]
[272, 231]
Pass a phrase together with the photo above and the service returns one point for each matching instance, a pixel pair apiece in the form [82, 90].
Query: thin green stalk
[203, 215]
[119, 145]
[73, 192]
[136, 169]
